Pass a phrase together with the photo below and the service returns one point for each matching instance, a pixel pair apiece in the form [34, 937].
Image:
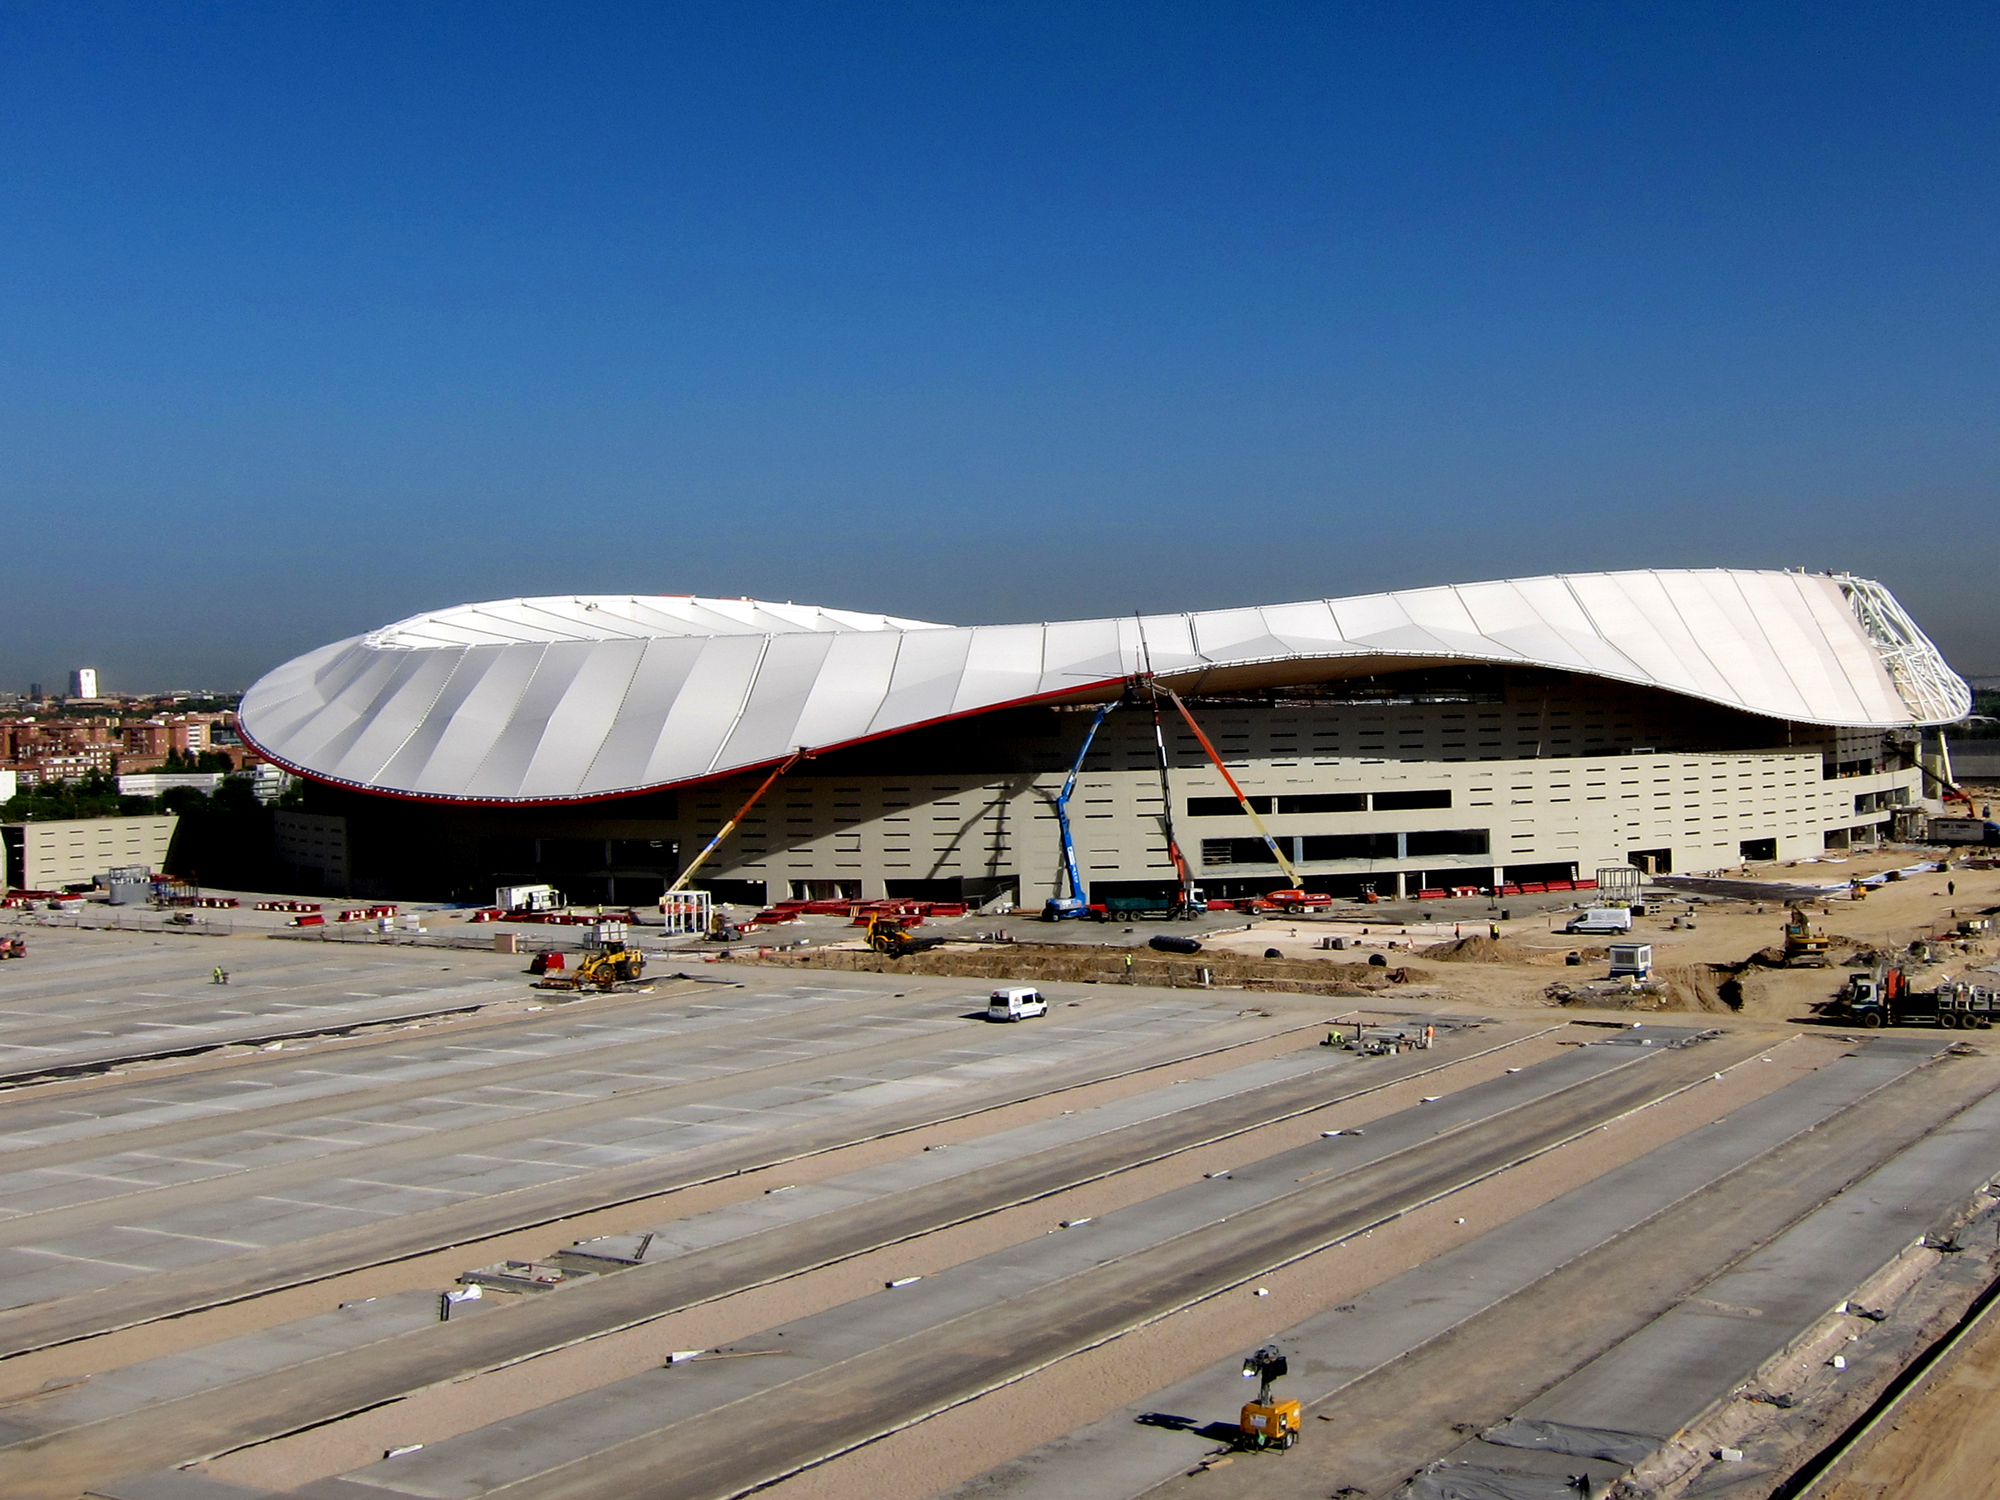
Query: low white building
[267, 782]
[152, 783]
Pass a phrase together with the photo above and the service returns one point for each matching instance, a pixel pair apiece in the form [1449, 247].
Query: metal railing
[124, 919]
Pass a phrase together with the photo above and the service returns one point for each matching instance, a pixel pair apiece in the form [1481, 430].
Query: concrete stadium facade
[1520, 730]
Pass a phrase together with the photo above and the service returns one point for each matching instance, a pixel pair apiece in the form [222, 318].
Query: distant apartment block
[49, 748]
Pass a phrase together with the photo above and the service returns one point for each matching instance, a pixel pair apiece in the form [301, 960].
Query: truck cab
[1016, 1004]
[528, 898]
[1874, 998]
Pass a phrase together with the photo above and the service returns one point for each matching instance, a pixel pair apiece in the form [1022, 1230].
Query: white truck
[1016, 1004]
[1601, 919]
[527, 898]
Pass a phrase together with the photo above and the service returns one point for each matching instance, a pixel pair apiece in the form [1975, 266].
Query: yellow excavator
[1805, 948]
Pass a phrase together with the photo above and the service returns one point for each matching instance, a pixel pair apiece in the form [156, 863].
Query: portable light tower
[1266, 1423]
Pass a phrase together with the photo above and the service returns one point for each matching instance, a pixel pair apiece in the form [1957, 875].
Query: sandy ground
[1699, 943]
[1945, 1445]
[1722, 933]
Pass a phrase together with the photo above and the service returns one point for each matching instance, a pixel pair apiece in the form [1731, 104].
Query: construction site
[1443, 1126]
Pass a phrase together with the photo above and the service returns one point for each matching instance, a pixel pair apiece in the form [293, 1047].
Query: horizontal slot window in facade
[1225, 807]
[1349, 846]
[1312, 802]
[1448, 841]
[1411, 801]
[1324, 802]
[1330, 847]
[1237, 852]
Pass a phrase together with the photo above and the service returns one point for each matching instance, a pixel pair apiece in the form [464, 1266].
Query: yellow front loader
[604, 969]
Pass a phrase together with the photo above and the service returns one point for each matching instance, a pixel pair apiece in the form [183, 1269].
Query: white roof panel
[767, 727]
[846, 696]
[568, 698]
[924, 684]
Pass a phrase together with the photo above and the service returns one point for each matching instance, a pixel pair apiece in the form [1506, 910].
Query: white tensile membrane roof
[561, 699]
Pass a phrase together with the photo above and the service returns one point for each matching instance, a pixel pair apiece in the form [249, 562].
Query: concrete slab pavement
[1147, 1443]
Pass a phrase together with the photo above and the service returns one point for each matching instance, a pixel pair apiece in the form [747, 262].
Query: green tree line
[96, 795]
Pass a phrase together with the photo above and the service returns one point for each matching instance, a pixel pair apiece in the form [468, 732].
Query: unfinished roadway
[954, 1256]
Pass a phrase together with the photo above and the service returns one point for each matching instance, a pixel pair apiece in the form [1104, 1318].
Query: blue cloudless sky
[316, 315]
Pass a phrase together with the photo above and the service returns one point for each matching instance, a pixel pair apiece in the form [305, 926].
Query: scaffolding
[1618, 884]
[687, 911]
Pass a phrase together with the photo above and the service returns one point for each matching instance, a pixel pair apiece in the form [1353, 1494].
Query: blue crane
[1076, 903]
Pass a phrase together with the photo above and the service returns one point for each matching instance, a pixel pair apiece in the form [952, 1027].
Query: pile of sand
[1480, 950]
[1685, 987]
[1708, 987]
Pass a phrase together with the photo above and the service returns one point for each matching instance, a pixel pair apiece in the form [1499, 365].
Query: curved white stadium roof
[564, 699]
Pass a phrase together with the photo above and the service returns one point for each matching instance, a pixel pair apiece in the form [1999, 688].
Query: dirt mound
[1558, 958]
[1600, 997]
[1708, 987]
[1714, 988]
[1479, 950]
[1108, 965]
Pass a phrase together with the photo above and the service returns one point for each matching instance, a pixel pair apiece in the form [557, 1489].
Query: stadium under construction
[1431, 740]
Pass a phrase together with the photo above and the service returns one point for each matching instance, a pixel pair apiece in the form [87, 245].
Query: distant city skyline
[100, 689]
[319, 317]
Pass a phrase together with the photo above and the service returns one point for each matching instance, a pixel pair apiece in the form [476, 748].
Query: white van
[1016, 1005]
[1602, 919]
